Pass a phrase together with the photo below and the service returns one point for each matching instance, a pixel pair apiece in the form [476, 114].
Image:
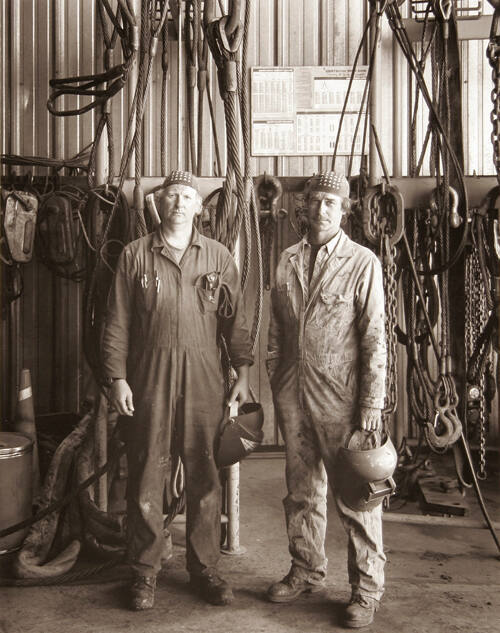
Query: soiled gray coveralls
[328, 342]
[160, 335]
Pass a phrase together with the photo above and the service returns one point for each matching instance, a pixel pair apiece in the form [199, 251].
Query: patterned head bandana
[185, 178]
[330, 182]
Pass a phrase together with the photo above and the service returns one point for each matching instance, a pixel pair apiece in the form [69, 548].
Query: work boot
[211, 588]
[360, 611]
[142, 593]
[290, 588]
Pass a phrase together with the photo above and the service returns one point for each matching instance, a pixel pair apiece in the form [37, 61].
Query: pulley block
[57, 228]
[269, 191]
[20, 214]
[473, 405]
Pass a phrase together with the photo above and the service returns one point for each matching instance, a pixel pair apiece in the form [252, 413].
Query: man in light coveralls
[327, 363]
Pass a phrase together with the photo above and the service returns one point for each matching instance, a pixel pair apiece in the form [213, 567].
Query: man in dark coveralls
[163, 365]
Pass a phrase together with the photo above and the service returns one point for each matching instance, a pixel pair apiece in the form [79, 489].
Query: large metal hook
[454, 219]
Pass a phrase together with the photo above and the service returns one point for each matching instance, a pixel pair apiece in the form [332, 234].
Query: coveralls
[328, 343]
[161, 335]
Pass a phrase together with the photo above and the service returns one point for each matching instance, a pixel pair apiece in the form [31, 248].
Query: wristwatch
[109, 381]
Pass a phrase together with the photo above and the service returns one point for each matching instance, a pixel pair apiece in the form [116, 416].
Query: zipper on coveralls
[302, 307]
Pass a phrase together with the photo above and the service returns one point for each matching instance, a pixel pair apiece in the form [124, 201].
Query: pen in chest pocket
[156, 279]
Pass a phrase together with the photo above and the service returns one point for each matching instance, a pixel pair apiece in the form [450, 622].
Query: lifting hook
[269, 191]
[455, 219]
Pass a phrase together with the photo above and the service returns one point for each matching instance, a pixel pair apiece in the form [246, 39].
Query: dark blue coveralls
[161, 335]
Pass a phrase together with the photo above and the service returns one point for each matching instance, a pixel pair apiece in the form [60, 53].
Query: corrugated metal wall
[282, 32]
[42, 39]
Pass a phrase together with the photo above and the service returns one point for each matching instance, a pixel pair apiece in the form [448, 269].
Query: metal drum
[16, 456]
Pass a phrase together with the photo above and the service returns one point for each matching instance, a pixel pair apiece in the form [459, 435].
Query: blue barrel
[16, 488]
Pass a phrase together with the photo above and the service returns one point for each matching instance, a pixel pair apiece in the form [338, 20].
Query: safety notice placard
[296, 110]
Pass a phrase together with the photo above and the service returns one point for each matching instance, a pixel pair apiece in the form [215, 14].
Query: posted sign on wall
[296, 110]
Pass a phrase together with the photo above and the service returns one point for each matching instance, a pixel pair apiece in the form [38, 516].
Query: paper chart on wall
[296, 110]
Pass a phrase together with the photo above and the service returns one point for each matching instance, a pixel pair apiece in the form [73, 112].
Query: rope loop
[230, 42]
[233, 21]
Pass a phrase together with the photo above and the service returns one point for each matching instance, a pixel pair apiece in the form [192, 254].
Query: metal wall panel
[62, 38]
[282, 32]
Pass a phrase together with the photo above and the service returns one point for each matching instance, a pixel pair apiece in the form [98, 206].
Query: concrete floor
[439, 579]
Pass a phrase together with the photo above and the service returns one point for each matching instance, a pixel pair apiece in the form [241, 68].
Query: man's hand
[120, 396]
[272, 365]
[371, 419]
[240, 391]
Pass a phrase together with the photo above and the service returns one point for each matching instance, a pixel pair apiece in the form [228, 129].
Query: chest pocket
[207, 289]
[333, 310]
[208, 300]
[286, 300]
[147, 291]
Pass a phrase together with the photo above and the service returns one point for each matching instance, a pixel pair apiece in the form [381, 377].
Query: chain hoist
[478, 343]
[268, 190]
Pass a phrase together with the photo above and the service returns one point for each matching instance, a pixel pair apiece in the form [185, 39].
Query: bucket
[16, 483]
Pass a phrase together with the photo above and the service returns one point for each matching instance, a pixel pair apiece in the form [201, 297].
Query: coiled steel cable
[395, 21]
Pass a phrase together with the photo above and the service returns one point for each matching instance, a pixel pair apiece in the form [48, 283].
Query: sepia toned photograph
[250, 316]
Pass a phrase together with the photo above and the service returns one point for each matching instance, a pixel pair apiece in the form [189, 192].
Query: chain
[476, 316]
[383, 222]
[390, 294]
[481, 473]
[493, 54]
[469, 309]
[375, 217]
[483, 318]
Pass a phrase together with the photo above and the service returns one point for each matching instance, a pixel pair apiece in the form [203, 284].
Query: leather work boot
[213, 589]
[360, 611]
[290, 588]
[142, 593]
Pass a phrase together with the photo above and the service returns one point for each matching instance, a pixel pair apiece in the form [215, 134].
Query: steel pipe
[430, 519]
[133, 77]
[102, 158]
[397, 114]
[374, 169]
[59, 72]
[233, 504]
[233, 511]
[180, 93]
